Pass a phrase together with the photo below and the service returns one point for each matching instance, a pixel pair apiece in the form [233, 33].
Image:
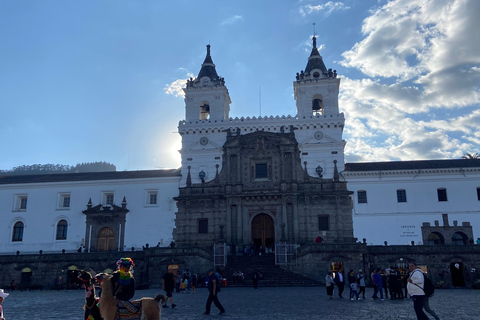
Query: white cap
[3, 294]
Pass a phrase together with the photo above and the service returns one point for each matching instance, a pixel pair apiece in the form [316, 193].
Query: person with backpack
[214, 289]
[415, 286]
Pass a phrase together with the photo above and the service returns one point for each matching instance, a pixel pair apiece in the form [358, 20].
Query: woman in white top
[330, 284]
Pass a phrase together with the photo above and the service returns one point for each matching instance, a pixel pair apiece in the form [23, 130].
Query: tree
[471, 156]
[50, 168]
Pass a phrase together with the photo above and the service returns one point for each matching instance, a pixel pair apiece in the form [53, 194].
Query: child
[354, 287]
[3, 295]
[183, 286]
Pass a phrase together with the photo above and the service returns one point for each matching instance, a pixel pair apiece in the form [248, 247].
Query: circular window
[316, 74]
[203, 141]
[318, 135]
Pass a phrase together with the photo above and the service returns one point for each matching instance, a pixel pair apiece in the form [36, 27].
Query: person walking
[168, 285]
[415, 285]
[214, 289]
[361, 283]
[377, 280]
[352, 279]
[330, 284]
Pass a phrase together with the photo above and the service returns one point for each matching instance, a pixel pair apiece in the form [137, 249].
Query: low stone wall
[444, 263]
[440, 261]
[51, 271]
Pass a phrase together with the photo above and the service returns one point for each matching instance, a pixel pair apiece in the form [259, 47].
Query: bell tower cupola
[316, 88]
[206, 96]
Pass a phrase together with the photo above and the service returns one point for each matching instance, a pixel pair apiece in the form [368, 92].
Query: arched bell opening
[317, 105]
[204, 110]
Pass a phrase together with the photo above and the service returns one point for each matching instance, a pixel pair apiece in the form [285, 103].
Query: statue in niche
[260, 145]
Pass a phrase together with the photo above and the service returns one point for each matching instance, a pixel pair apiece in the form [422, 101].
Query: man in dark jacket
[340, 282]
[213, 288]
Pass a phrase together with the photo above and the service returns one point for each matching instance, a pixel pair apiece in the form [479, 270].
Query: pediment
[326, 139]
[197, 146]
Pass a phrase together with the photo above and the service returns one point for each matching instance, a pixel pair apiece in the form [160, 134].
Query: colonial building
[278, 180]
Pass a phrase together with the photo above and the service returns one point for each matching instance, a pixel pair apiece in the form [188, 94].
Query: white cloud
[429, 51]
[328, 7]
[176, 87]
[232, 20]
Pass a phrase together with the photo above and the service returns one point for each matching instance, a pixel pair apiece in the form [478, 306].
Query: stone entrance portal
[263, 231]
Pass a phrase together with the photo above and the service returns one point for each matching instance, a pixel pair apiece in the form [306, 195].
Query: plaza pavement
[247, 303]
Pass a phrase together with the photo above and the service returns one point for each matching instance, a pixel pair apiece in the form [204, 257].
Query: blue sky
[84, 81]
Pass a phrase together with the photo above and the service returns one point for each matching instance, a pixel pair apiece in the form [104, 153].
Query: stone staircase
[273, 276]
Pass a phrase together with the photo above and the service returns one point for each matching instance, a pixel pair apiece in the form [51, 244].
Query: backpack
[428, 287]
[218, 279]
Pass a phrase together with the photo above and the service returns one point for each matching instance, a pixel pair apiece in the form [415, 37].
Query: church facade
[263, 180]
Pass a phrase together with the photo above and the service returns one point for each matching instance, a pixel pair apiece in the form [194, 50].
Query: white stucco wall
[382, 218]
[145, 224]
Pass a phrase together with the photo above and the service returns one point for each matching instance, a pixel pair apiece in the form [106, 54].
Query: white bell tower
[320, 139]
[316, 89]
[206, 96]
[207, 108]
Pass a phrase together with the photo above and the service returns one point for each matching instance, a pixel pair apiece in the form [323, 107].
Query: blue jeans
[418, 302]
[377, 290]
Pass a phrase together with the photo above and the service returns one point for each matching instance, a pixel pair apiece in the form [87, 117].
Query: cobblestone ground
[247, 303]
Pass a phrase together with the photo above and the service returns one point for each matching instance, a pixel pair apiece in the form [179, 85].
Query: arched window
[435, 238]
[17, 231]
[62, 226]
[459, 238]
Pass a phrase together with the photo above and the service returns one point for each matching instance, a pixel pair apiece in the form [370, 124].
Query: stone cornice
[411, 172]
[263, 122]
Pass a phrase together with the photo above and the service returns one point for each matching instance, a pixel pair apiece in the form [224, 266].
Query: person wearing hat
[123, 285]
[3, 295]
